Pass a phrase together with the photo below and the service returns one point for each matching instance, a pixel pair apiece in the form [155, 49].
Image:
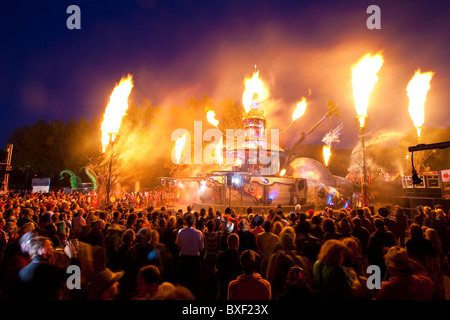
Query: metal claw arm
[332, 110]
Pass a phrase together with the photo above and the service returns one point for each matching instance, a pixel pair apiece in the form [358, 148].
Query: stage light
[272, 196]
[236, 180]
[202, 186]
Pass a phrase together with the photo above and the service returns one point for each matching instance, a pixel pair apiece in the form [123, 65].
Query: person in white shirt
[190, 242]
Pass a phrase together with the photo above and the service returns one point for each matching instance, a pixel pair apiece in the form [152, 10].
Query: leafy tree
[46, 148]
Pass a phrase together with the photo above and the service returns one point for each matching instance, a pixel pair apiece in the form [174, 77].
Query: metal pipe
[421, 147]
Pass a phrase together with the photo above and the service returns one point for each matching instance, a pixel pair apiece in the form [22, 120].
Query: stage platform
[197, 206]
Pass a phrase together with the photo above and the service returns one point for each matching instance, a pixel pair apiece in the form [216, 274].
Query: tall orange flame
[115, 110]
[301, 108]
[364, 77]
[255, 91]
[417, 90]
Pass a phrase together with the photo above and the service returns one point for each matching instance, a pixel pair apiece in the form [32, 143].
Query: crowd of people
[159, 254]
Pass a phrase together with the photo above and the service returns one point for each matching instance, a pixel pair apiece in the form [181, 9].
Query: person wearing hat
[104, 285]
[404, 283]
[249, 285]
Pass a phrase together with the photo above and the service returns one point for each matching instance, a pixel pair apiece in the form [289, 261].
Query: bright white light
[236, 180]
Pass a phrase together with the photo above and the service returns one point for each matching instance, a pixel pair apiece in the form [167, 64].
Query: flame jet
[330, 138]
[115, 110]
[417, 90]
[179, 146]
[255, 92]
[364, 78]
[301, 108]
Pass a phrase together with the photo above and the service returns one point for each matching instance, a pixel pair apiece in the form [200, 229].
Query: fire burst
[115, 110]
[179, 146]
[301, 108]
[255, 91]
[210, 115]
[330, 138]
[417, 92]
[363, 80]
[326, 154]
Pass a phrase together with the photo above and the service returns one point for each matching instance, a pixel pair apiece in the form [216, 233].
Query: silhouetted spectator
[379, 243]
[249, 285]
[228, 266]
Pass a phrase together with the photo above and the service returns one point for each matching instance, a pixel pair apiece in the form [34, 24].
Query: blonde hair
[155, 237]
[352, 244]
[439, 213]
[288, 229]
[287, 240]
[366, 211]
[332, 252]
[432, 235]
[177, 292]
[277, 228]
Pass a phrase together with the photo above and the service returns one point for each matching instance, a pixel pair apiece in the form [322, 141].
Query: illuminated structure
[262, 175]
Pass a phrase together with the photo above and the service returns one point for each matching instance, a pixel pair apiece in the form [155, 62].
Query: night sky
[179, 49]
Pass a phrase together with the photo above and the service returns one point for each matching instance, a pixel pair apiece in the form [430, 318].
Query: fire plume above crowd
[115, 110]
[417, 90]
[364, 77]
